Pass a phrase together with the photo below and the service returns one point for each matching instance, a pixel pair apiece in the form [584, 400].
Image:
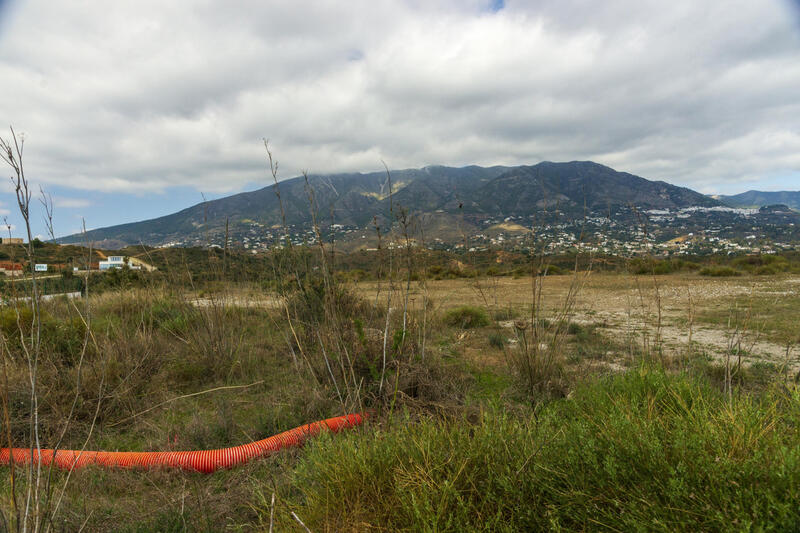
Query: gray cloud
[136, 96]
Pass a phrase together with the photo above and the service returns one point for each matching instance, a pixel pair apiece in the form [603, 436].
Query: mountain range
[763, 198]
[446, 202]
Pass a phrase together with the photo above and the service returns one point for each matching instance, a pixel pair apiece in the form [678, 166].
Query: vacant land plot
[461, 387]
[755, 317]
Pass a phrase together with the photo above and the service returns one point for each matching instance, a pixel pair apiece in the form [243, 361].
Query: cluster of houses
[13, 268]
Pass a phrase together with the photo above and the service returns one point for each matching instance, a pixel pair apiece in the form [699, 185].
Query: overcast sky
[131, 109]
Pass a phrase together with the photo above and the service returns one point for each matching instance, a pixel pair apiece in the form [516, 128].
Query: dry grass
[156, 344]
[626, 306]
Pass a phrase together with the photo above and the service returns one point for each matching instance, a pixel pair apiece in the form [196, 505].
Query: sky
[136, 108]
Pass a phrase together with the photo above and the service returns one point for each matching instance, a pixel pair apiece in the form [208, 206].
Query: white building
[113, 261]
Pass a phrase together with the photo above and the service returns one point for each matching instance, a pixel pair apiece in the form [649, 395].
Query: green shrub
[10, 322]
[117, 278]
[576, 329]
[62, 337]
[504, 313]
[518, 273]
[171, 316]
[497, 340]
[766, 264]
[466, 317]
[719, 271]
[639, 452]
[552, 270]
[65, 337]
[315, 302]
[641, 266]
[767, 270]
[435, 270]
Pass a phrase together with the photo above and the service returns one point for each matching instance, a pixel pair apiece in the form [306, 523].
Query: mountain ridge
[755, 199]
[472, 193]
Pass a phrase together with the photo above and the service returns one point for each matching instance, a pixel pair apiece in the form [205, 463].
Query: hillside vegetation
[764, 198]
[432, 193]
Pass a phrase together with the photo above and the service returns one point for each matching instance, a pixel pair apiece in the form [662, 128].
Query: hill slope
[763, 198]
[436, 193]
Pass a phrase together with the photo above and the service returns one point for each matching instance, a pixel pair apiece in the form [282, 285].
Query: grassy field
[594, 401]
[764, 309]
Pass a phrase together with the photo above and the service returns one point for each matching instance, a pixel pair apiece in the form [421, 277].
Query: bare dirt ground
[754, 316]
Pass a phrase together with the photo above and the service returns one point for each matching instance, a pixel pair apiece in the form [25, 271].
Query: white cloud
[70, 203]
[137, 96]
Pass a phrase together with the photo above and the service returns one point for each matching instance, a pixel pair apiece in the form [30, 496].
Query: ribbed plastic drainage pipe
[206, 461]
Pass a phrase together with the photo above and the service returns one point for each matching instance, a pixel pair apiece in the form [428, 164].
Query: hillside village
[684, 231]
[623, 231]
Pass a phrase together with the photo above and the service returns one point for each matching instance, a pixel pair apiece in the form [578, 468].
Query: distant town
[688, 231]
[684, 231]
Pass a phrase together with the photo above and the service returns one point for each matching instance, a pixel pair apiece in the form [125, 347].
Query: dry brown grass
[626, 308]
[155, 337]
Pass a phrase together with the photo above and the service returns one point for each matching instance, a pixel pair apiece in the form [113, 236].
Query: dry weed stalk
[743, 335]
[40, 507]
[690, 345]
[657, 342]
[538, 356]
[31, 518]
[326, 321]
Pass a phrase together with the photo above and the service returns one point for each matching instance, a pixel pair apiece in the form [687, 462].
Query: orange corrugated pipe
[206, 461]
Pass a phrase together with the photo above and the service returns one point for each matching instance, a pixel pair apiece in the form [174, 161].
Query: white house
[113, 261]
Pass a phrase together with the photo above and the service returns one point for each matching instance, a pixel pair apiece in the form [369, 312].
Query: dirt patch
[628, 307]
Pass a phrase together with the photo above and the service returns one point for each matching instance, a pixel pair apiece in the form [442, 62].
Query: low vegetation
[500, 398]
[719, 271]
[466, 317]
[457, 442]
[640, 450]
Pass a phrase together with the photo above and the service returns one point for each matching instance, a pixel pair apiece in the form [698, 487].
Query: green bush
[63, 337]
[10, 321]
[767, 270]
[505, 313]
[766, 264]
[466, 317]
[497, 340]
[552, 270]
[660, 266]
[518, 273]
[719, 271]
[117, 278]
[171, 316]
[576, 329]
[639, 452]
[315, 302]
